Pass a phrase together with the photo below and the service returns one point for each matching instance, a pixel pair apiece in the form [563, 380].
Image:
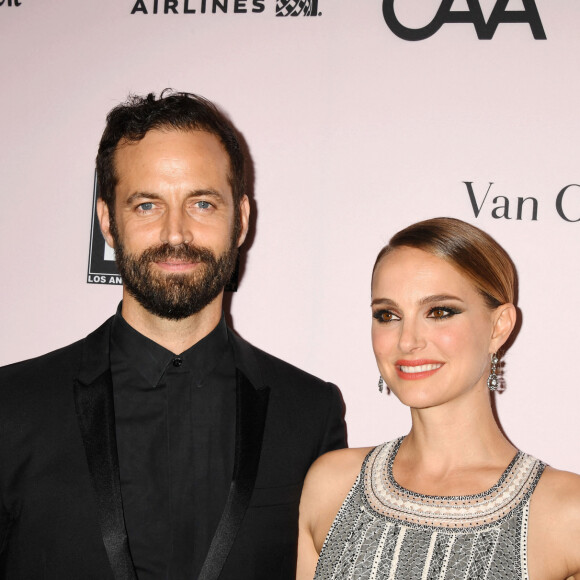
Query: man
[162, 445]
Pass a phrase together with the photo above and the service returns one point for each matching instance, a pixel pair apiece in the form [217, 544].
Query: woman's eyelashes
[442, 312]
[385, 315]
[436, 313]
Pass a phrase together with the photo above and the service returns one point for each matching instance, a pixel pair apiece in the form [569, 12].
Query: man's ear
[105, 221]
[244, 210]
[504, 318]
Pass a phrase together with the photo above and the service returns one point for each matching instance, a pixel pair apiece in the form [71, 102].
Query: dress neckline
[386, 498]
[389, 474]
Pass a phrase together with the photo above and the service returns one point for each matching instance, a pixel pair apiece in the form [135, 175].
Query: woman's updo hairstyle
[470, 250]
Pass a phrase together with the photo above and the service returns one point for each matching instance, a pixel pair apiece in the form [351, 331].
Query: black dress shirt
[175, 427]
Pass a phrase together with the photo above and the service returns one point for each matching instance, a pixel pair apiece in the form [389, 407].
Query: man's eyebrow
[138, 195]
[426, 300]
[206, 193]
[141, 195]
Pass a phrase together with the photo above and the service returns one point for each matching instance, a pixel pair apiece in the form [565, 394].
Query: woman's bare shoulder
[326, 486]
[332, 475]
[554, 531]
[558, 490]
[341, 463]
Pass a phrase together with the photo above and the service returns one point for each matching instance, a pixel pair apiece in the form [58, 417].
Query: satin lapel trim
[251, 410]
[96, 416]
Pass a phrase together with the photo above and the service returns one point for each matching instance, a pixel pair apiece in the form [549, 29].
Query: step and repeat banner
[361, 117]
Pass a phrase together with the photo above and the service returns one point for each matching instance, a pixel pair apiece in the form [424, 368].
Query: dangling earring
[492, 381]
[381, 383]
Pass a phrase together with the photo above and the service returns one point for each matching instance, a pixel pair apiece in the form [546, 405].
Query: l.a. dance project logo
[297, 8]
[102, 267]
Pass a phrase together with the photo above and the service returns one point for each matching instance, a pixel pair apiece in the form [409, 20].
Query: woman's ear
[504, 320]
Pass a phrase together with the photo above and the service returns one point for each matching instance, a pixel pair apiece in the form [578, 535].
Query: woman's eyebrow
[438, 298]
[384, 302]
[426, 300]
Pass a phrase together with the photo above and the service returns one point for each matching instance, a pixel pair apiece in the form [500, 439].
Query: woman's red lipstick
[413, 370]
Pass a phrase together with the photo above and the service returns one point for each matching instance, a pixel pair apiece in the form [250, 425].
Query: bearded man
[162, 446]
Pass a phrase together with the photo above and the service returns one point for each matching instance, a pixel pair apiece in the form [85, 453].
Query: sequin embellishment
[385, 532]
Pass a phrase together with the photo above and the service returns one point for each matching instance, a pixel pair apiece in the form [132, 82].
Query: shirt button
[177, 362]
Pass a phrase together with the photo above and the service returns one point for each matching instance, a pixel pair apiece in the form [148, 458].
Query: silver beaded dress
[385, 532]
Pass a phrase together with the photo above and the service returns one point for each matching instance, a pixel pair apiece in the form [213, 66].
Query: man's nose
[176, 230]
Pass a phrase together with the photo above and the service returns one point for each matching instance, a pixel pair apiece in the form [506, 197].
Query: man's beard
[175, 296]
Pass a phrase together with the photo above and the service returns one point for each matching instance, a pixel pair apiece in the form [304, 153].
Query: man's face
[174, 225]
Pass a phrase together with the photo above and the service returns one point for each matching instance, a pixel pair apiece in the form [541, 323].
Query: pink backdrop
[354, 132]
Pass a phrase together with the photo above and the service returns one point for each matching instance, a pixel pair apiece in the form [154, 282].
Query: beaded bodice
[384, 531]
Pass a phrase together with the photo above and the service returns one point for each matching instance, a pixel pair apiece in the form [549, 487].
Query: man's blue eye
[203, 204]
[147, 206]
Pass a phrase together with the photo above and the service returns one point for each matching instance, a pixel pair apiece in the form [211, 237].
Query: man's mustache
[183, 252]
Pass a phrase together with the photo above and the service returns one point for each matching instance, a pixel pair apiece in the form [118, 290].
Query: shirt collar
[136, 353]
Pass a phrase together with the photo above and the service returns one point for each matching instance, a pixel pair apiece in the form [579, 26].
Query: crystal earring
[492, 381]
[381, 383]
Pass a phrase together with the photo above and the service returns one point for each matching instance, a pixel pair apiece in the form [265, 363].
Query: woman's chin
[419, 397]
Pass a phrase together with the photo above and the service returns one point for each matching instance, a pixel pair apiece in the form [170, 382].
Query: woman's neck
[453, 449]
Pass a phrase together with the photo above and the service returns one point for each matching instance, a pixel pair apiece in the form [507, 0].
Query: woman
[454, 498]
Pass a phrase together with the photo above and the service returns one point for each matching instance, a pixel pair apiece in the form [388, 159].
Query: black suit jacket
[61, 512]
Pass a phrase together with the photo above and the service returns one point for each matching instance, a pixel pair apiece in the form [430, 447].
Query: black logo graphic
[102, 266]
[197, 6]
[526, 208]
[297, 8]
[560, 204]
[485, 30]
[10, 3]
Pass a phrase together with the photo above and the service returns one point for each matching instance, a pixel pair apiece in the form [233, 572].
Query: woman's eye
[385, 316]
[440, 312]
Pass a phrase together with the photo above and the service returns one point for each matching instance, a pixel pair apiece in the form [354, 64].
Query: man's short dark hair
[131, 120]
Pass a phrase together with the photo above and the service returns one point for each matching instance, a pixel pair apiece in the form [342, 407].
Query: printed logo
[283, 7]
[297, 8]
[102, 266]
[197, 6]
[10, 3]
[522, 208]
[474, 15]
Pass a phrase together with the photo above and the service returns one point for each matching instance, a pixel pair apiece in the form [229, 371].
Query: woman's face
[432, 332]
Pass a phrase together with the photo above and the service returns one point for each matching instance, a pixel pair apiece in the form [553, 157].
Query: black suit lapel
[251, 409]
[96, 416]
